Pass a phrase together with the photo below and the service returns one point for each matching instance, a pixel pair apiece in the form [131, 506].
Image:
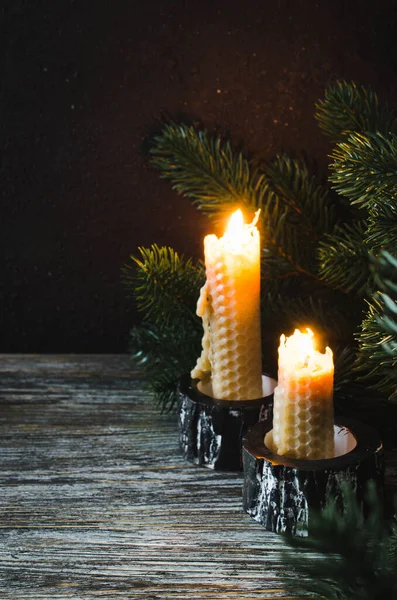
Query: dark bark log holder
[211, 431]
[281, 493]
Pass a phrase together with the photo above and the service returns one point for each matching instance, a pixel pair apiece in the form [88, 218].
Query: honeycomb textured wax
[229, 305]
[303, 414]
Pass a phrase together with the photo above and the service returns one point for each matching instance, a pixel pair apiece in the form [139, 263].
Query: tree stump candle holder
[281, 493]
[211, 431]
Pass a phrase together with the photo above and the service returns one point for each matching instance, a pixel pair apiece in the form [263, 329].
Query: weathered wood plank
[97, 502]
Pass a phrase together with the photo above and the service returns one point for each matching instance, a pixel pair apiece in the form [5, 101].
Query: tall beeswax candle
[229, 305]
[303, 414]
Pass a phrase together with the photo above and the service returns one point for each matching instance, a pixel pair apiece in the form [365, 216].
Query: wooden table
[97, 502]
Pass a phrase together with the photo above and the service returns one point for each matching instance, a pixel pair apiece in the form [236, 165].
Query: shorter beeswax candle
[303, 421]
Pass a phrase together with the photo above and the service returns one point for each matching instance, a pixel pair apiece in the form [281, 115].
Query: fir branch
[165, 285]
[295, 212]
[289, 186]
[365, 169]
[347, 109]
[295, 209]
[343, 259]
[205, 168]
[374, 365]
[217, 179]
[286, 250]
[382, 228]
[164, 358]
[378, 336]
[385, 269]
[354, 558]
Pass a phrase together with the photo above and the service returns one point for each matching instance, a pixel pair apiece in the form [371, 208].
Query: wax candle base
[281, 493]
[211, 430]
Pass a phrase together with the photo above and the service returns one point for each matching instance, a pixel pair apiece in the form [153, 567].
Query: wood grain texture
[96, 500]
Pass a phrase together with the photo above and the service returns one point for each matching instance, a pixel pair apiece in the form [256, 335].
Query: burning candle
[303, 421]
[229, 306]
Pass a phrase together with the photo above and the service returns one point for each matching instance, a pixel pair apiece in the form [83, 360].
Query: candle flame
[300, 348]
[302, 344]
[238, 233]
[236, 224]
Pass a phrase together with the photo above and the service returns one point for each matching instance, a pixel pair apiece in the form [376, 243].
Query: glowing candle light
[303, 421]
[229, 305]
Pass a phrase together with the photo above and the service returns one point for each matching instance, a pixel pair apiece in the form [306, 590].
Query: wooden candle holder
[211, 431]
[281, 493]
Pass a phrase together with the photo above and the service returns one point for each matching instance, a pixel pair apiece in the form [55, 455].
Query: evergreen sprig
[377, 359]
[165, 285]
[346, 557]
[343, 259]
[382, 227]
[164, 358]
[296, 212]
[295, 209]
[287, 184]
[348, 108]
[206, 169]
[385, 268]
[365, 169]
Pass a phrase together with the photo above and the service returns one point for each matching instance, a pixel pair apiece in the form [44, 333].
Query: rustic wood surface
[96, 500]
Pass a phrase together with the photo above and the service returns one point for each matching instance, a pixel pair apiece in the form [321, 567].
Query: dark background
[83, 87]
